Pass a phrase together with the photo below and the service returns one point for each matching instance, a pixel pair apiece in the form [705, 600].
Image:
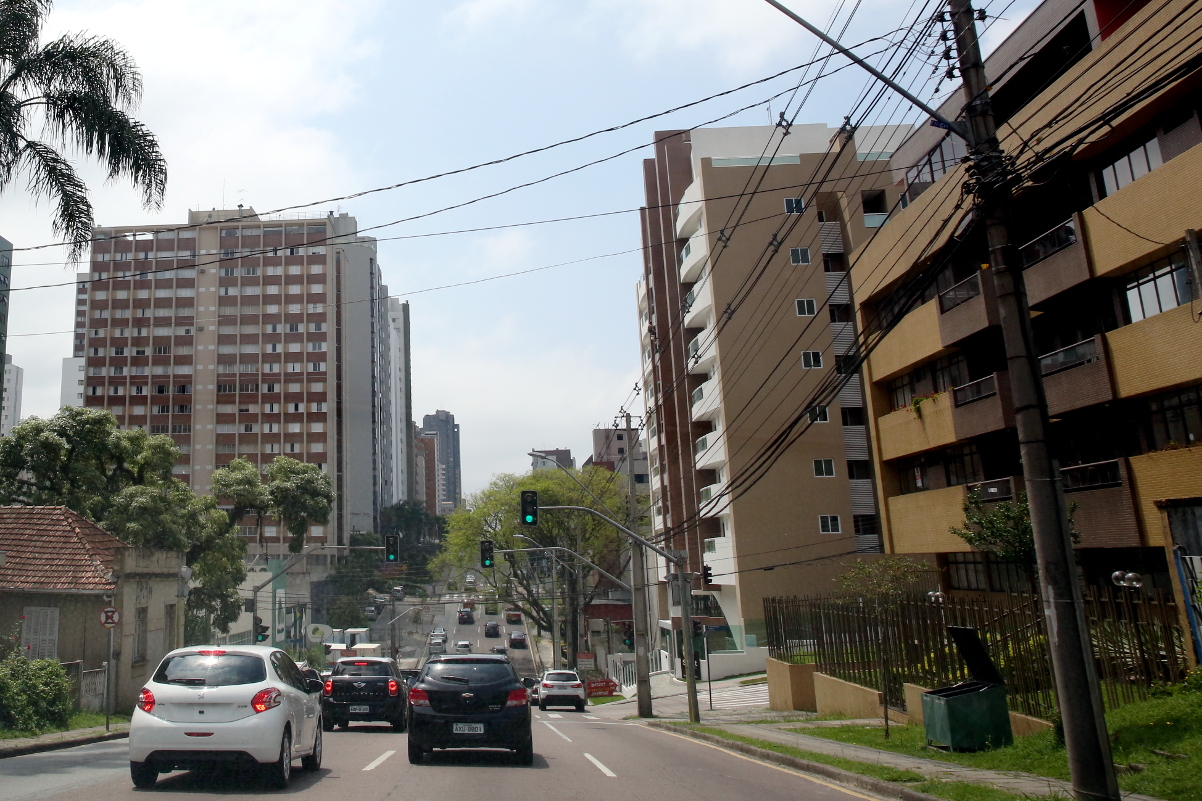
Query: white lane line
[557, 731]
[554, 715]
[600, 767]
[540, 717]
[591, 717]
[375, 763]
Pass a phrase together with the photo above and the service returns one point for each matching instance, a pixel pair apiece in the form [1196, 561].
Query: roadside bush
[35, 694]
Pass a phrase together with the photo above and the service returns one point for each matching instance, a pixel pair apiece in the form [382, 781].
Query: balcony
[710, 451]
[711, 502]
[1054, 261]
[1076, 376]
[702, 350]
[1156, 353]
[693, 257]
[982, 406]
[966, 308]
[720, 556]
[699, 304]
[688, 211]
[998, 489]
[921, 521]
[917, 428]
[706, 401]
[1105, 515]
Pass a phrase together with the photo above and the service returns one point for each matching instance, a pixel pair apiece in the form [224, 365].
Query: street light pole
[638, 589]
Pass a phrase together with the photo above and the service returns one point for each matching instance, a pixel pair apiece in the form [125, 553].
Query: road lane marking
[591, 717]
[375, 763]
[600, 767]
[557, 731]
[554, 715]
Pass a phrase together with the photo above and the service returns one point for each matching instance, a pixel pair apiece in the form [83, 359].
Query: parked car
[472, 701]
[250, 704]
[363, 688]
[492, 629]
[517, 639]
[562, 688]
[463, 647]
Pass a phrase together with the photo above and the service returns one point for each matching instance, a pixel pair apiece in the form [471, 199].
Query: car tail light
[265, 699]
[210, 653]
[547, 686]
[517, 698]
[577, 685]
[145, 700]
[393, 687]
[329, 689]
[418, 697]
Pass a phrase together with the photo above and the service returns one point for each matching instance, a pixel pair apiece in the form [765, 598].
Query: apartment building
[442, 426]
[6, 272]
[552, 457]
[71, 386]
[611, 451]
[242, 336]
[425, 469]
[736, 333]
[404, 484]
[1101, 230]
[10, 396]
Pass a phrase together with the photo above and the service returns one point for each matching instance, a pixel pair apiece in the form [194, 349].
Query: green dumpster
[971, 715]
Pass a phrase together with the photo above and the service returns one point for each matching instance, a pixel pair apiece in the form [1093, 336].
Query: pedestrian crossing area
[735, 697]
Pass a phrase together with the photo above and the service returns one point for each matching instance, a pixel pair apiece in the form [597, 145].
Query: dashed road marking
[554, 715]
[557, 731]
[591, 717]
[375, 763]
[600, 767]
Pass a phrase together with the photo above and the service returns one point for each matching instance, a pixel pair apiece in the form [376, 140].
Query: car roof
[364, 659]
[560, 670]
[478, 657]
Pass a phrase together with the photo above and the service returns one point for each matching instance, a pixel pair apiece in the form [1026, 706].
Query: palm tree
[73, 94]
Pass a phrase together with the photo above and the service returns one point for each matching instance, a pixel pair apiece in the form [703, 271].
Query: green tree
[299, 494]
[358, 570]
[347, 614]
[888, 576]
[241, 485]
[75, 93]
[1003, 528]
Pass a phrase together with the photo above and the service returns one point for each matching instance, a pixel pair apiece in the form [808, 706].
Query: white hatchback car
[463, 647]
[226, 705]
[562, 688]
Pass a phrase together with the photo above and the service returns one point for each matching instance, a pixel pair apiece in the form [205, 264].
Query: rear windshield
[211, 670]
[462, 672]
[562, 677]
[362, 669]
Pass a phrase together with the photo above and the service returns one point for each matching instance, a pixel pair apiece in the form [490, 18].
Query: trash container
[971, 715]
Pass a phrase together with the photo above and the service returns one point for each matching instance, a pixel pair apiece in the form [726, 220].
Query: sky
[275, 104]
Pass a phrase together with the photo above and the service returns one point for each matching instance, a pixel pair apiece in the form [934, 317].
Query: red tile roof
[53, 549]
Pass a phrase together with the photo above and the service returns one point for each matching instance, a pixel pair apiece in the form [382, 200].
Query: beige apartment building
[1103, 241]
[737, 332]
[241, 336]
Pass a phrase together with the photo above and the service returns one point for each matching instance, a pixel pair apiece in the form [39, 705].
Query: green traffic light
[529, 518]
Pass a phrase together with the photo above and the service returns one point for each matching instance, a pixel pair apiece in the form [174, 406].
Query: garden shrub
[35, 694]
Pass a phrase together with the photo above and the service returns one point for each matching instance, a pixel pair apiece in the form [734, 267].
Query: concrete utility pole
[1086, 740]
[638, 589]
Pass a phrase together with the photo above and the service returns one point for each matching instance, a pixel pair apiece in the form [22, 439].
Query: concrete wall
[791, 686]
[837, 697]
[734, 663]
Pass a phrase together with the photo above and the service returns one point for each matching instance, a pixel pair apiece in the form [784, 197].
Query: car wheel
[416, 754]
[144, 774]
[525, 754]
[343, 724]
[580, 706]
[542, 707]
[278, 773]
[398, 724]
[313, 761]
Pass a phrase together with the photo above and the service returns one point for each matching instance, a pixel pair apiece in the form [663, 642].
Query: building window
[852, 415]
[1175, 419]
[966, 571]
[824, 468]
[818, 414]
[859, 469]
[962, 465]
[181, 428]
[811, 359]
[806, 307]
[829, 524]
[141, 624]
[794, 205]
[799, 255]
[1162, 285]
[1136, 164]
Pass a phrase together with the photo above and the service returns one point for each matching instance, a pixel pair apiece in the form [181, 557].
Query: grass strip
[79, 720]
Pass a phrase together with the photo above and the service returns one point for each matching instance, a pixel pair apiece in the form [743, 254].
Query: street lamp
[554, 615]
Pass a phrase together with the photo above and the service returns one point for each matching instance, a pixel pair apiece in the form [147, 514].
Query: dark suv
[364, 688]
[474, 701]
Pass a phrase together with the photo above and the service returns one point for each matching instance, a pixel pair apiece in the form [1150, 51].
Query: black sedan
[469, 701]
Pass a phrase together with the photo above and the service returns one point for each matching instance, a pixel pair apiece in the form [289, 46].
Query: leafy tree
[241, 485]
[888, 576]
[358, 570]
[1003, 528]
[347, 614]
[299, 494]
[523, 578]
[75, 93]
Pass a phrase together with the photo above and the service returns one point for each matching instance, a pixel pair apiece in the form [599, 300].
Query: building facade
[744, 310]
[71, 387]
[1111, 279]
[442, 426]
[425, 469]
[404, 486]
[551, 457]
[6, 273]
[10, 396]
[246, 337]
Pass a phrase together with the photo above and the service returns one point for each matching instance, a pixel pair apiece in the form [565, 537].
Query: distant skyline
[284, 108]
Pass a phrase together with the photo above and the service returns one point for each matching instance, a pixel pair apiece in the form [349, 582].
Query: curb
[847, 778]
[55, 745]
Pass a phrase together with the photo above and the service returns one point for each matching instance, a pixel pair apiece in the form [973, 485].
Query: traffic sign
[319, 632]
[109, 617]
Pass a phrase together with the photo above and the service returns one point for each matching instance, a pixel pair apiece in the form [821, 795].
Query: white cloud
[479, 14]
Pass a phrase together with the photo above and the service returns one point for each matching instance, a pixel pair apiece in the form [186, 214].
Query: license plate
[360, 710]
[467, 728]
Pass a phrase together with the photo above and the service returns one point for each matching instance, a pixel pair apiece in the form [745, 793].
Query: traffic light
[529, 508]
[707, 575]
[486, 553]
[628, 635]
[392, 549]
[260, 630]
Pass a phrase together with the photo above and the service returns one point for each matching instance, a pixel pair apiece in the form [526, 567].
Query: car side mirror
[311, 673]
[529, 682]
[315, 685]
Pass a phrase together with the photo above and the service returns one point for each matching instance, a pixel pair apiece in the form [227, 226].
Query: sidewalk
[1012, 782]
[61, 739]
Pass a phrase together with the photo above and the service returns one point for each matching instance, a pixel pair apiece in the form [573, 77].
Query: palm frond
[52, 176]
[20, 22]
[85, 64]
[94, 126]
[12, 132]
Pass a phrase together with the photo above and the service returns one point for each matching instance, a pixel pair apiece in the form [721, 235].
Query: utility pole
[638, 588]
[685, 582]
[1090, 762]
[554, 617]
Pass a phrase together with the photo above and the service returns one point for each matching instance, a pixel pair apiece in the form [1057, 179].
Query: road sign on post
[109, 617]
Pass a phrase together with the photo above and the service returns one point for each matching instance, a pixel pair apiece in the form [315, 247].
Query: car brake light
[418, 697]
[547, 686]
[265, 699]
[517, 698]
[393, 687]
[360, 664]
[329, 690]
[210, 653]
[578, 685]
[145, 700]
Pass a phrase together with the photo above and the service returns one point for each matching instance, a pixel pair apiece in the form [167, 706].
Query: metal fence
[884, 642]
